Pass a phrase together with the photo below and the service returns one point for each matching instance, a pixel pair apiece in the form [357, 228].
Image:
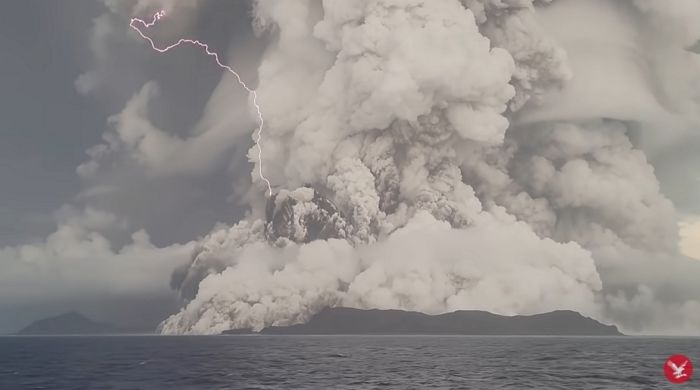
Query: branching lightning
[258, 134]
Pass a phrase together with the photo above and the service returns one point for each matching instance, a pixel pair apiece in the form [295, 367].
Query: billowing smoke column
[401, 182]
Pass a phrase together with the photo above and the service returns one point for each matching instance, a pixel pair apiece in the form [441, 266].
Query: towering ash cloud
[413, 170]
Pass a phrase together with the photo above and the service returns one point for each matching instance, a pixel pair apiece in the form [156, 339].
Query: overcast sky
[47, 126]
[72, 71]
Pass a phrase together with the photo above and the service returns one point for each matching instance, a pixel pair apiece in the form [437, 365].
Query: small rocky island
[71, 323]
[463, 322]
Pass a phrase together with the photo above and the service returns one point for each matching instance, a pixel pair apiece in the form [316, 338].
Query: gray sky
[66, 68]
[47, 126]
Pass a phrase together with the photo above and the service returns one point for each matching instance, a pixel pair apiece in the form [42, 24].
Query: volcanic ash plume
[397, 183]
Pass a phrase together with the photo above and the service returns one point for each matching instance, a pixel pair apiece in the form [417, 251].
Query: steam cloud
[424, 158]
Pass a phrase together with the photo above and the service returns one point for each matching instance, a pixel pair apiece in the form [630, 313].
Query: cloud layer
[425, 155]
[405, 123]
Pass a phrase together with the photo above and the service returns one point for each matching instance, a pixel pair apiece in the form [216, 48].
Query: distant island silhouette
[71, 323]
[464, 322]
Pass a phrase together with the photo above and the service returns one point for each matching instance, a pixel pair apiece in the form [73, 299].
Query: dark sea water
[340, 362]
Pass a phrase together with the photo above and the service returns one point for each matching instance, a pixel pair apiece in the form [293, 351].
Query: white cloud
[397, 112]
[76, 262]
[626, 68]
[690, 236]
[498, 265]
[134, 139]
[413, 94]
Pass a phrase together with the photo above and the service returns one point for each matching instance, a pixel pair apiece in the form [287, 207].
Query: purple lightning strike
[258, 134]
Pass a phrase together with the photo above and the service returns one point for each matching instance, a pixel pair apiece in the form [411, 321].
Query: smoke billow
[404, 181]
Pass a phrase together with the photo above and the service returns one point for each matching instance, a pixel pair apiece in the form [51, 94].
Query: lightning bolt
[258, 134]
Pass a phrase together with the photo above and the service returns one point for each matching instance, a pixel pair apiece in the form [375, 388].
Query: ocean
[340, 362]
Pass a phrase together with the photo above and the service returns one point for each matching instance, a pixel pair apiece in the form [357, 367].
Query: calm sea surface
[340, 362]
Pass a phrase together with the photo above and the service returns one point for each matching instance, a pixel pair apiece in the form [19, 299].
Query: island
[71, 323]
[344, 320]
